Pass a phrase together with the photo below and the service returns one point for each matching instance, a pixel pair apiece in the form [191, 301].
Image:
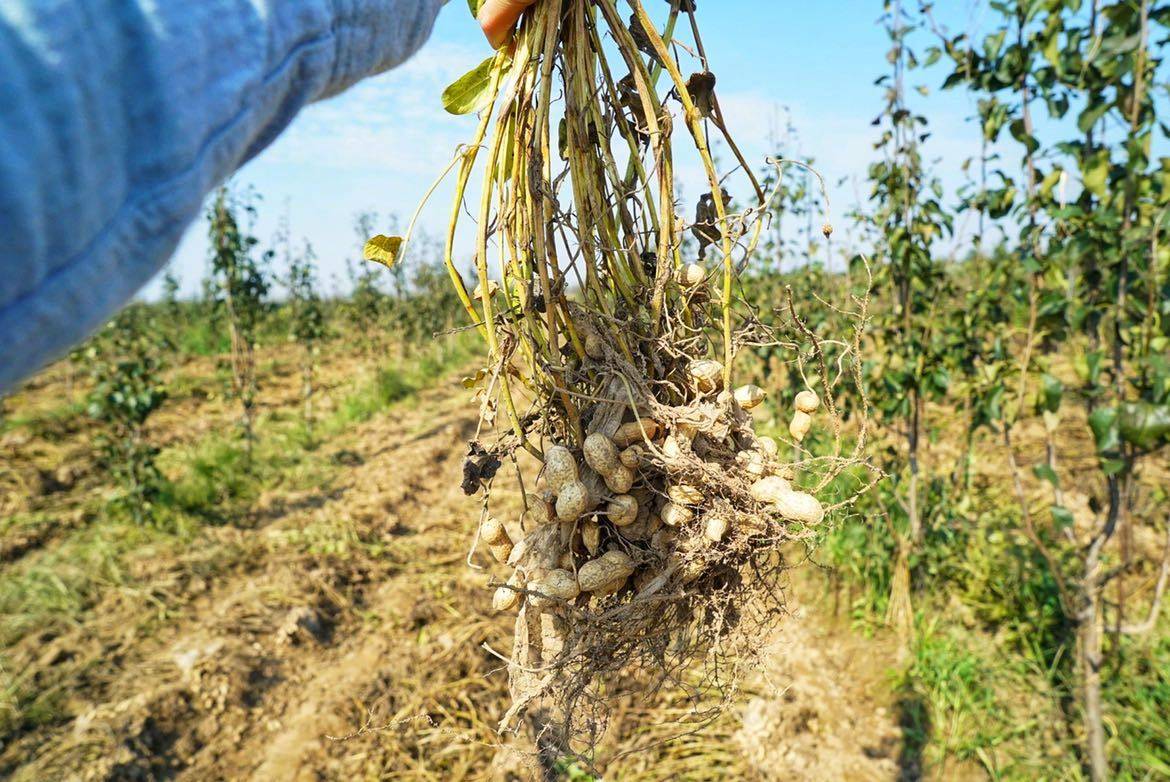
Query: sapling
[307, 326]
[240, 292]
[909, 217]
[170, 296]
[368, 307]
[125, 364]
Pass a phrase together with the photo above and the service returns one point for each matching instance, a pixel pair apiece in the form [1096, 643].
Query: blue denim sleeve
[118, 116]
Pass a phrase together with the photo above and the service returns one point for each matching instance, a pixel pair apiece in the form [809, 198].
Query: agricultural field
[612, 483]
[313, 616]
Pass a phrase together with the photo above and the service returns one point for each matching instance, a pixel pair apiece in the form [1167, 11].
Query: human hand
[497, 18]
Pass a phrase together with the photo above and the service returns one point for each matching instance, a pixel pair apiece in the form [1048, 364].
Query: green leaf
[1051, 393]
[1020, 134]
[1051, 50]
[473, 6]
[1050, 181]
[993, 43]
[1118, 44]
[1088, 367]
[383, 249]
[1062, 517]
[1103, 422]
[1045, 473]
[472, 91]
[1112, 466]
[1144, 424]
[1088, 118]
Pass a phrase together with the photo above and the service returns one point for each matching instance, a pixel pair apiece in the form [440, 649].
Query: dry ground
[335, 631]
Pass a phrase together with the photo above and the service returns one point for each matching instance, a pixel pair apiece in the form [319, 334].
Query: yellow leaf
[472, 382]
[472, 91]
[1095, 173]
[383, 249]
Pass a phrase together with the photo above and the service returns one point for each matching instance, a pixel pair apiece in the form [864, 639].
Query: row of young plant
[128, 360]
[1041, 359]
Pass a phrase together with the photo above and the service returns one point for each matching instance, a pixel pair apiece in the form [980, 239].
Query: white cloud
[390, 123]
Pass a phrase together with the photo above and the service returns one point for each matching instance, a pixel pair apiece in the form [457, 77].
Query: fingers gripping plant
[126, 368]
[242, 288]
[649, 543]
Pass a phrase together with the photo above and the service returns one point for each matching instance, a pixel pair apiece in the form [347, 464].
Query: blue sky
[378, 146]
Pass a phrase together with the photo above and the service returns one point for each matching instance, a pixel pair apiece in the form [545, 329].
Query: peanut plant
[613, 346]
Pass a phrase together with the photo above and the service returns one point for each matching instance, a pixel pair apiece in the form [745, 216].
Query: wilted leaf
[479, 467]
[383, 249]
[706, 227]
[628, 95]
[471, 91]
[473, 381]
[642, 38]
[493, 289]
[701, 87]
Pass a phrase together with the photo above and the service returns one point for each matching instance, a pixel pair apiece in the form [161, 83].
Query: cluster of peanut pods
[616, 515]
